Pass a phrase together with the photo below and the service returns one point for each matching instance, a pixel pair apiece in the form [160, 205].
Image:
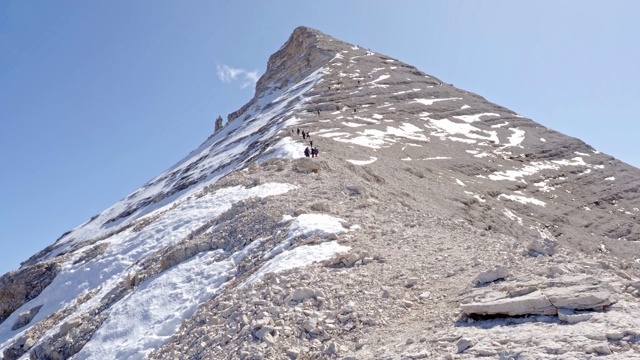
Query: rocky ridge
[467, 230]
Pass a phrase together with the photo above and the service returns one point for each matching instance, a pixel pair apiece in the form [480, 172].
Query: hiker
[311, 143]
[308, 134]
[314, 152]
[306, 152]
[318, 112]
[304, 136]
[298, 131]
[354, 109]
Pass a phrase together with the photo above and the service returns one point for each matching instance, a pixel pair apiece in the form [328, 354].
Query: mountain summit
[432, 223]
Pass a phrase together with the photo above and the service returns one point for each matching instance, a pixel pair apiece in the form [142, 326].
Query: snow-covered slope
[427, 204]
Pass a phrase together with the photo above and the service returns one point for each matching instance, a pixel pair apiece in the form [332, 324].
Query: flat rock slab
[571, 293]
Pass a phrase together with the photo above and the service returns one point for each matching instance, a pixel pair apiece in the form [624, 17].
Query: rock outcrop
[20, 286]
[550, 297]
[218, 125]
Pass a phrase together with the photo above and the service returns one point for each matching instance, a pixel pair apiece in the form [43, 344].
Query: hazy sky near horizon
[96, 98]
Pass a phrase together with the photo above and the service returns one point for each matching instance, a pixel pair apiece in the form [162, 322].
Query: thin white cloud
[229, 74]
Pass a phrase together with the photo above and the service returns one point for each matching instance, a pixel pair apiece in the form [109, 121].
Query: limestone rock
[260, 334]
[569, 316]
[491, 275]
[67, 326]
[26, 317]
[544, 247]
[565, 292]
[310, 324]
[302, 294]
[293, 353]
[463, 344]
[530, 304]
[580, 297]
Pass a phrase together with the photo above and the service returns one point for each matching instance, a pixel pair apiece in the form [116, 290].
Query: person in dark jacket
[306, 152]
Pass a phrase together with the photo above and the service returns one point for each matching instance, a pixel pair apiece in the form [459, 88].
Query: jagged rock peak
[305, 51]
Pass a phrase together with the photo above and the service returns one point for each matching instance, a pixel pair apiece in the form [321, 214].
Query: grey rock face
[218, 125]
[18, 287]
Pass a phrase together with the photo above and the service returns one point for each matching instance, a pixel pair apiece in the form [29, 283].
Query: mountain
[432, 224]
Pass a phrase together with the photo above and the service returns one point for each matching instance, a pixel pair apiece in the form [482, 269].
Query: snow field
[145, 319]
[108, 270]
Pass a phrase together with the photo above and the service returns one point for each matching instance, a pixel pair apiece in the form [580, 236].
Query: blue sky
[96, 98]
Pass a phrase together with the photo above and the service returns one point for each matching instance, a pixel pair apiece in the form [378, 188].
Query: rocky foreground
[416, 286]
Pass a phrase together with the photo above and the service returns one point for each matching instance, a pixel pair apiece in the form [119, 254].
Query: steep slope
[433, 223]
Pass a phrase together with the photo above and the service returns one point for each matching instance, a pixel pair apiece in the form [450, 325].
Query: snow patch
[298, 257]
[307, 225]
[437, 158]
[363, 162]
[474, 118]
[500, 125]
[285, 148]
[512, 216]
[516, 138]
[522, 199]
[431, 101]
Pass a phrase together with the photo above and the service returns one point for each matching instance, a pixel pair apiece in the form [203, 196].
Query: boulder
[542, 247]
[301, 294]
[569, 316]
[25, 318]
[293, 353]
[491, 275]
[67, 326]
[464, 344]
[310, 324]
[411, 282]
[331, 348]
[263, 331]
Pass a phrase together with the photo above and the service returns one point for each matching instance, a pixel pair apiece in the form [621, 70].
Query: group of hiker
[313, 152]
